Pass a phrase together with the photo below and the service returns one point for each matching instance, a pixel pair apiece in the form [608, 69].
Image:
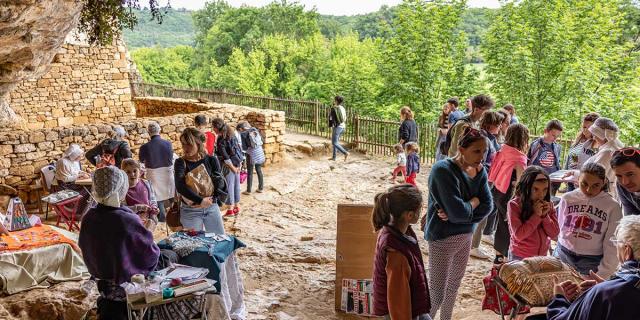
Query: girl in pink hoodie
[532, 219]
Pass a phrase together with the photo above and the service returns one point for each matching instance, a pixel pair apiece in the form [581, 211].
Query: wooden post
[356, 121]
[317, 117]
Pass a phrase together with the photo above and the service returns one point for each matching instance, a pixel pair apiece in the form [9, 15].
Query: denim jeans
[196, 218]
[233, 187]
[335, 140]
[582, 263]
[250, 177]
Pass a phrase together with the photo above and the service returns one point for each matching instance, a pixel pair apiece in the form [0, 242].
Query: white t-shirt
[340, 109]
[402, 159]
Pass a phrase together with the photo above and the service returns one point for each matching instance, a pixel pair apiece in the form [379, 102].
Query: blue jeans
[582, 263]
[233, 187]
[196, 218]
[335, 140]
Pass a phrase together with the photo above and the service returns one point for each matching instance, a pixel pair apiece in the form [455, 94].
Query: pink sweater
[503, 165]
[533, 237]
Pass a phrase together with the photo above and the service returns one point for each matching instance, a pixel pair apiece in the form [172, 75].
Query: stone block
[5, 150]
[51, 136]
[24, 148]
[65, 121]
[21, 170]
[36, 137]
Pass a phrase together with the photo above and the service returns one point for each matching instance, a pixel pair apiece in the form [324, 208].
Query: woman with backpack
[110, 151]
[230, 155]
[201, 194]
[252, 143]
[337, 123]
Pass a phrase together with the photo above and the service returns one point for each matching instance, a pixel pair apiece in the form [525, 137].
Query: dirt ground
[288, 277]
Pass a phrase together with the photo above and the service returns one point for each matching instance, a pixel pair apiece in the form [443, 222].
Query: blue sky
[333, 7]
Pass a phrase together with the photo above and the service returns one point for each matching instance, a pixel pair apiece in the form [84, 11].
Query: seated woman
[68, 170]
[600, 299]
[140, 197]
[114, 243]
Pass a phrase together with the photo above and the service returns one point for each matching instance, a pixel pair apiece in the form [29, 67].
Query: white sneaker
[479, 253]
[487, 239]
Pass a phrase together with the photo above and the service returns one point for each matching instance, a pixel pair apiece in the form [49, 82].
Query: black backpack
[446, 144]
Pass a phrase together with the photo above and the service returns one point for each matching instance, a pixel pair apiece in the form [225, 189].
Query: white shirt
[344, 115]
[402, 159]
[67, 170]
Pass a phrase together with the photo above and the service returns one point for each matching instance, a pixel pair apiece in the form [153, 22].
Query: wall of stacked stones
[84, 85]
[24, 152]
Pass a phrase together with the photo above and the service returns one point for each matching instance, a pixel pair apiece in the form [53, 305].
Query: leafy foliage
[562, 59]
[103, 20]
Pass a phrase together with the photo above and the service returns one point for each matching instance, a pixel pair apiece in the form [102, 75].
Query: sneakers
[259, 191]
[487, 239]
[236, 210]
[230, 213]
[246, 193]
[346, 155]
[479, 253]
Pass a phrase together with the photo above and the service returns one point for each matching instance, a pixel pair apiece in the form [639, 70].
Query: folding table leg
[499, 301]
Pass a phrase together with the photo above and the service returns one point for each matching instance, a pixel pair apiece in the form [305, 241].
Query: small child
[588, 217]
[532, 218]
[400, 286]
[140, 197]
[401, 163]
[545, 151]
[413, 162]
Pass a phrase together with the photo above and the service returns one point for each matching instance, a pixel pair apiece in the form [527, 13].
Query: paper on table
[217, 237]
[186, 272]
[558, 176]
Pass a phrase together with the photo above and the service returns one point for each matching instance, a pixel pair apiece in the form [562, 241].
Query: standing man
[479, 104]
[337, 119]
[512, 111]
[157, 156]
[455, 113]
[626, 164]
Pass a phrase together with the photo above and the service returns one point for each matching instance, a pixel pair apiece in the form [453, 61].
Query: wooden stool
[67, 210]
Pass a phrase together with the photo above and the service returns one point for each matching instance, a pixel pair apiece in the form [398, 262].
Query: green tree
[424, 57]
[169, 66]
[561, 59]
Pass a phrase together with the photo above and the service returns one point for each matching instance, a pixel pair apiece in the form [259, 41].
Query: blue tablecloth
[200, 257]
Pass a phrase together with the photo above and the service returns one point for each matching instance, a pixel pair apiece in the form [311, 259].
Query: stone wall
[84, 85]
[163, 107]
[24, 152]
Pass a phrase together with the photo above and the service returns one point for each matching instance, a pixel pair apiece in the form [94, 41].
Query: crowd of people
[491, 183]
[129, 197]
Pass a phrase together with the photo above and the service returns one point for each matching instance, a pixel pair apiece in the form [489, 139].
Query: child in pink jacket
[532, 219]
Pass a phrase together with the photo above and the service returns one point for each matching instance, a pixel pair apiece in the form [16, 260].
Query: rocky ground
[290, 232]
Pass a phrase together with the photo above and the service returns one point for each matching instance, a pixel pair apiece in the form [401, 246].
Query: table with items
[216, 253]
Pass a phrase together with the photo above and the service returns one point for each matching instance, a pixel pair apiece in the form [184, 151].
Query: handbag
[243, 172]
[173, 216]
[492, 298]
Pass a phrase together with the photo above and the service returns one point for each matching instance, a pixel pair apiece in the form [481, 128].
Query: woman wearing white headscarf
[115, 246]
[68, 170]
[605, 135]
[114, 243]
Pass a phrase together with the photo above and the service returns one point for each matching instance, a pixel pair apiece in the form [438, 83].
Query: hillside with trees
[550, 58]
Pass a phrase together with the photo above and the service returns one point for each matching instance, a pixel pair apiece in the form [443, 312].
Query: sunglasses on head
[471, 132]
[627, 152]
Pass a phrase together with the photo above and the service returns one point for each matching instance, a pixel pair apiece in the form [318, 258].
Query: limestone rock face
[31, 32]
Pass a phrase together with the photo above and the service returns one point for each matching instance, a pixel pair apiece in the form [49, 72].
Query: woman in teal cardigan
[459, 198]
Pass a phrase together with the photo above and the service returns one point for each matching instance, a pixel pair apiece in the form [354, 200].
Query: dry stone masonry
[84, 85]
[24, 152]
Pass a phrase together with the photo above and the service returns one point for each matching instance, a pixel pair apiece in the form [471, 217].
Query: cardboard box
[355, 246]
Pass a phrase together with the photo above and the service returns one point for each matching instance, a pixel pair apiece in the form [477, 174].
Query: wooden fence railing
[376, 136]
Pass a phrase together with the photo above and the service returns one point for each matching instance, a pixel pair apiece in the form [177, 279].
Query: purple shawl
[115, 245]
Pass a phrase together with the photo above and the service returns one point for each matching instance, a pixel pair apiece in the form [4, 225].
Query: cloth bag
[532, 278]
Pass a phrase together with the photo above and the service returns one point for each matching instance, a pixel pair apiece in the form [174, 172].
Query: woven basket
[532, 279]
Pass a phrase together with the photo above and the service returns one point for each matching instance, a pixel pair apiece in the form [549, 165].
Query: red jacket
[210, 142]
[532, 237]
